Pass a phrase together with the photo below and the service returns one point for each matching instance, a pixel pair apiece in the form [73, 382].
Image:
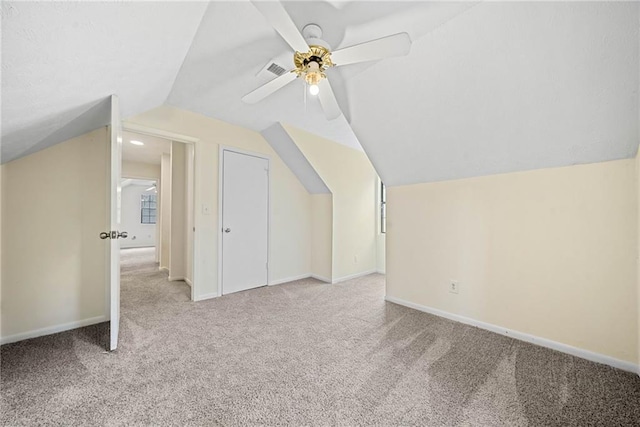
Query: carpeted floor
[304, 353]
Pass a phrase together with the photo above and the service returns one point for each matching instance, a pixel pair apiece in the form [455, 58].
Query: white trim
[175, 279]
[145, 130]
[206, 296]
[321, 278]
[543, 342]
[53, 329]
[289, 279]
[381, 272]
[221, 150]
[188, 282]
[352, 276]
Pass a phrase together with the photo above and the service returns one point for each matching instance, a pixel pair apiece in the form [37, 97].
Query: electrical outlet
[454, 287]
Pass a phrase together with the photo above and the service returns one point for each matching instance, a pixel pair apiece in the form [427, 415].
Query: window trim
[150, 210]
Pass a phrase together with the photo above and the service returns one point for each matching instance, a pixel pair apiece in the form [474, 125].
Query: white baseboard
[352, 276]
[53, 329]
[381, 272]
[163, 269]
[289, 279]
[543, 342]
[206, 296]
[321, 278]
[188, 282]
[176, 279]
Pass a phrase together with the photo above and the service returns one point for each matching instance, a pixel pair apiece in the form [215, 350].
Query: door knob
[227, 230]
[105, 235]
[123, 234]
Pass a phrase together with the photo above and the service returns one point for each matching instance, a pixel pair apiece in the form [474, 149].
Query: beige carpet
[304, 353]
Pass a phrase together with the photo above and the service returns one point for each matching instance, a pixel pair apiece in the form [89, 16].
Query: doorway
[244, 220]
[157, 208]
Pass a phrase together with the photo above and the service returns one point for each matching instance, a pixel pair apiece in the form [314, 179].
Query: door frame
[221, 150]
[171, 136]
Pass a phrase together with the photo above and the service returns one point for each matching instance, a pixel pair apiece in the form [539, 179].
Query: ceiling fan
[313, 56]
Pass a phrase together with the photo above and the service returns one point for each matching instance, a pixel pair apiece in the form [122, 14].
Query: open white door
[115, 203]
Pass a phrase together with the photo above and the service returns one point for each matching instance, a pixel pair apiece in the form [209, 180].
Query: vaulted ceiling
[487, 88]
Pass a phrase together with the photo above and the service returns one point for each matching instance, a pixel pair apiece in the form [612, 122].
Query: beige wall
[54, 208]
[140, 170]
[178, 253]
[381, 245]
[1, 204]
[322, 236]
[352, 181]
[290, 228]
[164, 193]
[188, 223]
[552, 253]
[638, 241]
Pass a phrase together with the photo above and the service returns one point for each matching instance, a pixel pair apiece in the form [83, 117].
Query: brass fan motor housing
[305, 63]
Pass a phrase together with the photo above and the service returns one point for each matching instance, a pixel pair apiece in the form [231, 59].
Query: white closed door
[245, 221]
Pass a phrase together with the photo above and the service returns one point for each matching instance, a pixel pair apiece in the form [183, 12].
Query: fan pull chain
[304, 90]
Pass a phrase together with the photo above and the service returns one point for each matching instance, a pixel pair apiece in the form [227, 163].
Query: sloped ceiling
[62, 60]
[487, 88]
[234, 43]
[505, 87]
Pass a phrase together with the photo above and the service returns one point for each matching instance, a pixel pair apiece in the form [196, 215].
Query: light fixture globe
[314, 89]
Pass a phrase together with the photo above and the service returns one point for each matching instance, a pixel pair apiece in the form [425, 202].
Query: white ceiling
[488, 87]
[234, 43]
[151, 152]
[505, 87]
[61, 60]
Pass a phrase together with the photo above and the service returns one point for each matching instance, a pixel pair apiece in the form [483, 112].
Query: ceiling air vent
[276, 69]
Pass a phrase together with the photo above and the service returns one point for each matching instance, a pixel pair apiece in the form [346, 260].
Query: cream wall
[1, 204]
[322, 236]
[381, 245]
[290, 228]
[54, 208]
[140, 170]
[638, 241]
[178, 241]
[188, 223]
[551, 253]
[164, 192]
[352, 181]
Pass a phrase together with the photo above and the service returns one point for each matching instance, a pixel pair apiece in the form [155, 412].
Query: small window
[148, 206]
[383, 208]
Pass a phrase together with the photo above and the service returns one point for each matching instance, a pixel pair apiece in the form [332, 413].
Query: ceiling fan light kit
[311, 66]
[313, 56]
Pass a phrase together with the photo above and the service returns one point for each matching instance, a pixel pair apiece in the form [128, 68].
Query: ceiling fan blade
[328, 100]
[386, 47]
[280, 20]
[268, 88]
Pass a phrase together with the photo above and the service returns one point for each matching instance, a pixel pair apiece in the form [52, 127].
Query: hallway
[143, 286]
